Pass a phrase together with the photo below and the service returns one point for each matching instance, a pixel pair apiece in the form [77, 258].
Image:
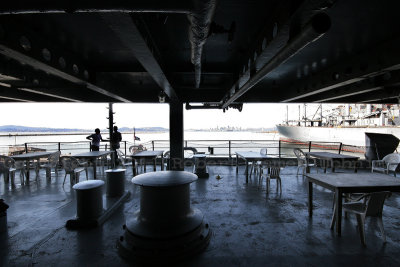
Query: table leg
[94, 169]
[237, 164]
[27, 171]
[310, 199]
[338, 212]
[133, 167]
[247, 170]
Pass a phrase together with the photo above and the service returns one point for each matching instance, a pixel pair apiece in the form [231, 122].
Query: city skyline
[94, 115]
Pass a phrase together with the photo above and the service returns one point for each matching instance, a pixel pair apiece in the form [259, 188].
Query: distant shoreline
[21, 134]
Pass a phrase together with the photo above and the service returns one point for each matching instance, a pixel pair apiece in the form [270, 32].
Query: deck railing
[214, 148]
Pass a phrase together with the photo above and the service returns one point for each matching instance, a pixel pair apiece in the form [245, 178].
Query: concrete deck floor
[249, 228]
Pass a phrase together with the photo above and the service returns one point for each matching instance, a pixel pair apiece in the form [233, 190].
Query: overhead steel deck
[206, 53]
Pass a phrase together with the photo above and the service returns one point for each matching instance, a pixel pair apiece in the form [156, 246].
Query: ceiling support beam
[318, 25]
[13, 94]
[383, 96]
[387, 79]
[368, 64]
[51, 93]
[28, 49]
[133, 40]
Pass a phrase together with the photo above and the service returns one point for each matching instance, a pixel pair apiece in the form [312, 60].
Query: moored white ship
[346, 124]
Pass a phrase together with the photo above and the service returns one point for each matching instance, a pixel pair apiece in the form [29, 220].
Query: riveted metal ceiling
[207, 53]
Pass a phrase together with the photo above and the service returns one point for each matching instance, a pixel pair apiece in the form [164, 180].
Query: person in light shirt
[95, 138]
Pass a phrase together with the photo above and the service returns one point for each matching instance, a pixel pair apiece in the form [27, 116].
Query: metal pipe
[204, 106]
[200, 20]
[313, 30]
[67, 6]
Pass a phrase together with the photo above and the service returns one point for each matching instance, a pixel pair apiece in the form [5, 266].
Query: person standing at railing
[116, 137]
[95, 138]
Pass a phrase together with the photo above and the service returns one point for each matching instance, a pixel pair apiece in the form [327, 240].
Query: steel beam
[12, 46]
[318, 25]
[370, 63]
[128, 33]
[385, 95]
[50, 93]
[13, 94]
[366, 86]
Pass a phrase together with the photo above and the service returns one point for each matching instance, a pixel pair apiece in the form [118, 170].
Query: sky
[94, 115]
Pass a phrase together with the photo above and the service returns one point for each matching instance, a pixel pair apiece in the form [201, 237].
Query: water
[213, 143]
[201, 140]
[22, 138]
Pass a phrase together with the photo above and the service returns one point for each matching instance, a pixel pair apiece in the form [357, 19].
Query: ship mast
[287, 115]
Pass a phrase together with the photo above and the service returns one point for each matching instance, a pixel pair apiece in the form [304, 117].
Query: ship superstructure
[343, 123]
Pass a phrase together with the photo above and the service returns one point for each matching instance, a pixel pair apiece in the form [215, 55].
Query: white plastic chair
[73, 167]
[52, 162]
[166, 158]
[388, 164]
[123, 159]
[303, 161]
[272, 173]
[372, 206]
[8, 167]
[136, 148]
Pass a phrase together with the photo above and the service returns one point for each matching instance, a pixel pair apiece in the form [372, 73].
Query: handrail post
[59, 146]
[279, 149]
[309, 146]
[340, 147]
[26, 147]
[152, 144]
[125, 146]
[186, 143]
[229, 145]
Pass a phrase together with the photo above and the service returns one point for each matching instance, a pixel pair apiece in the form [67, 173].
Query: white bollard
[115, 182]
[89, 199]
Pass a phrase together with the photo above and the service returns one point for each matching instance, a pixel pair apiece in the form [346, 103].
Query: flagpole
[134, 136]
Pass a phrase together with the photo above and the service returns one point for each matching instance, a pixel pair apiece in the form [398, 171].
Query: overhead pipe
[66, 6]
[200, 21]
[313, 30]
[204, 106]
[238, 106]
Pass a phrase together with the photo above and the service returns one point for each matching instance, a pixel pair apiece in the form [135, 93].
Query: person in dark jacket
[116, 137]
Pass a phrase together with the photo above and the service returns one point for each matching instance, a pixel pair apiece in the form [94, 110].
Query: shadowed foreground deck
[249, 228]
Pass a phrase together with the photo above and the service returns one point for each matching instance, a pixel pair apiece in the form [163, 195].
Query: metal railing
[214, 148]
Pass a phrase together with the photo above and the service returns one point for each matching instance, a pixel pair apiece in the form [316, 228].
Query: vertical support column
[176, 135]
[110, 120]
[110, 130]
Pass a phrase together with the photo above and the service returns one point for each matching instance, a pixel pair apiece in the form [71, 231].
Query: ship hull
[354, 136]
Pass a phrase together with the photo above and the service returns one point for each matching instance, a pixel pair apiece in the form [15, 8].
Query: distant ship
[346, 124]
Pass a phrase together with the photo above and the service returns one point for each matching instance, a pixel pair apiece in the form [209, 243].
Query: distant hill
[18, 128]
